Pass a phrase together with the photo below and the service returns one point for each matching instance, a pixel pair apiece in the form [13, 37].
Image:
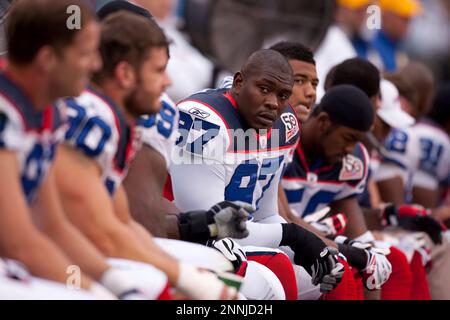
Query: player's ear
[323, 122]
[46, 59]
[237, 82]
[125, 75]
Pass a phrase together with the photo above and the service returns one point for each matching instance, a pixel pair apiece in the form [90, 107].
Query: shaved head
[262, 88]
[267, 60]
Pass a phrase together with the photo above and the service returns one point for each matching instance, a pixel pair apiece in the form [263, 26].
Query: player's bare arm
[356, 223]
[392, 190]
[91, 210]
[144, 186]
[19, 238]
[48, 213]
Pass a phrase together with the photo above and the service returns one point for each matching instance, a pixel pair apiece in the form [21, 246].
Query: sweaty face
[77, 62]
[339, 141]
[262, 96]
[304, 91]
[152, 82]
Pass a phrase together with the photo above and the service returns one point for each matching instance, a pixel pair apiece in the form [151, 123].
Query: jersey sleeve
[92, 129]
[400, 156]
[227, 82]
[160, 131]
[203, 136]
[354, 173]
[434, 163]
[11, 127]
[198, 169]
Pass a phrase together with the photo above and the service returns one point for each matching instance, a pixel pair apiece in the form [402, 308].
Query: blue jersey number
[243, 182]
[164, 121]
[186, 124]
[87, 127]
[397, 141]
[430, 155]
[34, 168]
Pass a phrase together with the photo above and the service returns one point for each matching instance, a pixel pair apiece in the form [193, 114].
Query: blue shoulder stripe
[33, 119]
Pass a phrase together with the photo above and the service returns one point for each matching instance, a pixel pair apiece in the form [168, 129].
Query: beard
[139, 103]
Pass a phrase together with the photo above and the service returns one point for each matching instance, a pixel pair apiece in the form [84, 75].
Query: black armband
[194, 226]
[356, 257]
[305, 244]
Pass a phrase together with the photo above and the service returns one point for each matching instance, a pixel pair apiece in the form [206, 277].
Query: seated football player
[415, 160]
[42, 67]
[100, 143]
[235, 142]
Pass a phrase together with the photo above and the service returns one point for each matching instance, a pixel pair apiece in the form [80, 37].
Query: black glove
[312, 253]
[225, 219]
[414, 218]
[327, 270]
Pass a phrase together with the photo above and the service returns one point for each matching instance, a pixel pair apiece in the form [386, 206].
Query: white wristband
[365, 237]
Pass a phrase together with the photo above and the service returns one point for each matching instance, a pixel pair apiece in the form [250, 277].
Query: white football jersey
[434, 162]
[420, 155]
[98, 129]
[399, 157]
[32, 135]
[213, 162]
[160, 131]
[313, 186]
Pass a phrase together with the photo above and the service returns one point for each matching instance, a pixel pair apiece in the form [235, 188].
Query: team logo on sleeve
[290, 124]
[352, 168]
[199, 113]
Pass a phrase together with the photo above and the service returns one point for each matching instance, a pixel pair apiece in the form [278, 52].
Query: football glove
[225, 219]
[312, 253]
[413, 218]
[375, 269]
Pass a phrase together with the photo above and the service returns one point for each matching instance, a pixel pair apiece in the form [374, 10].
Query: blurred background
[212, 38]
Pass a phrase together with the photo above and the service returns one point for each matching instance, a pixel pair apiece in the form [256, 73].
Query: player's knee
[260, 283]
[400, 265]
[282, 267]
[400, 282]
[347, 288]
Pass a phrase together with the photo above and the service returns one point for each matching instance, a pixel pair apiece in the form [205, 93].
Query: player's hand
[224, 219]
[327, 270]
[134, 284]
[203, 285]
[311, 252]
[331, 226]
[233, 252]
[230, 219]
[417, 242]
[377, 268]
[14, 270]
[414, 218]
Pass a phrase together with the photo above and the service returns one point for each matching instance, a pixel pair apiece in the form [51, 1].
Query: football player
[47, 60]
[237, 143]
[101, 142]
